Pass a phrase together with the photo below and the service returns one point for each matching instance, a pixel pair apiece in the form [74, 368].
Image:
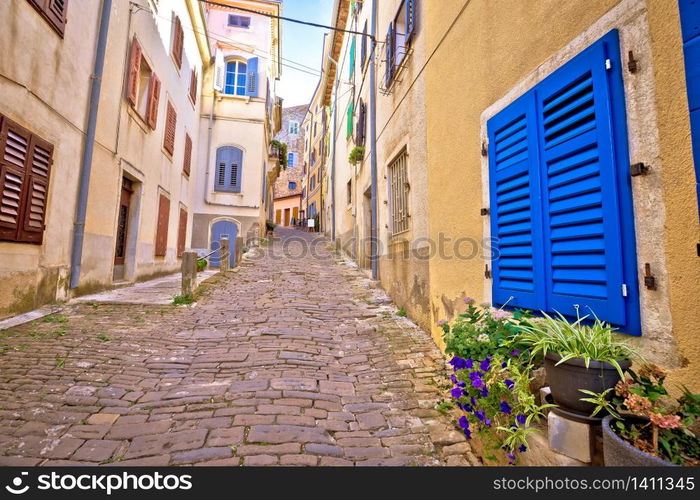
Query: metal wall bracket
[484, 149]
[484, 211]
[632, 64]
[638, 169]
[649, 279]
[487, 272]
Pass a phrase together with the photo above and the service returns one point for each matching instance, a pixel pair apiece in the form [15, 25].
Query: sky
[302, 45]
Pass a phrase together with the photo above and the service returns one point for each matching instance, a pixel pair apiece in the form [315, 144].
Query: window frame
[57, 21]
[397, 171]
[237, 73]
[229, 24]
[225, 184]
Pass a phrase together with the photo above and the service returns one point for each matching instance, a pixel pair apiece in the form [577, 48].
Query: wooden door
[287, 215]
[122, 225]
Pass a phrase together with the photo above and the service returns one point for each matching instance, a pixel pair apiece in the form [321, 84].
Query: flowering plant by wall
[491, 378]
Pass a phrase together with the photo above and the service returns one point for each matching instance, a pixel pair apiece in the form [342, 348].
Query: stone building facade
[288, 187]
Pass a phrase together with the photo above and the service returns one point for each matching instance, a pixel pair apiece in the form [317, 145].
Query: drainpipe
[333, 160]
[88, 146]
[373, 141]
[209, 134]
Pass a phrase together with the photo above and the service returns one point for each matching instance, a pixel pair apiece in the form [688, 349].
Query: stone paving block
[143, 446]
[287, 433]
[96, 450]
[129, 431]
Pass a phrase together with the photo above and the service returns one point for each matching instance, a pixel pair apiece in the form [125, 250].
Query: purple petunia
[487, 421]
[485, 364]
[522, 448]
[477, 383]
[505, 408]
[456, 393]
[458, 363]
[472, 400]
[474, 375]
[504, 364]
[480, 414]
[521, 419]
[515, 352]
[467, 408]
[467, 433]
[463, 422]
[509, 383]
[511, 459]
[469, 364]
[484, 392]
[453, 379]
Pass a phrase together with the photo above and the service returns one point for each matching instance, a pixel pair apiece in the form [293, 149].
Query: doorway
[122, 229]
[287, 215]
[223, 229]
[366, 243]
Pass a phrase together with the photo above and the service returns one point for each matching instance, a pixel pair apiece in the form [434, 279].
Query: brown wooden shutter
[193, 87]
[186, 166]
[15, 143]
[25, 165]
[134, 69]
[182, 232]
[37, 191]
[162, 228]
[153, 100]
[54, 11]
[178, 42]
[170, 126]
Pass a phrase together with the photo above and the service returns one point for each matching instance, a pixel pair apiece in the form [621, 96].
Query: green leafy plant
[578, 339]
[55, 318]
[181, 300]
[282, 149]
[103, 337]
[668, 425]
[356, 155]
[402, 313]
[601, 400]
[201, 265]
[492, 378]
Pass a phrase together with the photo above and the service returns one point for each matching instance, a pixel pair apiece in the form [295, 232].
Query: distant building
[287, 190]
[236, 170]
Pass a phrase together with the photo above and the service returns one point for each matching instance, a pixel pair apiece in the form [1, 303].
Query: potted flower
[491, 380]
[646, 427]
[578, 356]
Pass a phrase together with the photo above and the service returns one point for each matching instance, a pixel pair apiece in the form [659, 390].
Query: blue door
[223, 229]
[690, 26]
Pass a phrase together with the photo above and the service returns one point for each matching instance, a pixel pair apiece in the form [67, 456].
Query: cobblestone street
[285, 361]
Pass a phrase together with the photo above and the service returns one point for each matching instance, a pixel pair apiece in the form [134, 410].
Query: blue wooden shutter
[410, 19]
[252, 84]
[516, 218]
[585, 186]
[690, 25]
[236, 169]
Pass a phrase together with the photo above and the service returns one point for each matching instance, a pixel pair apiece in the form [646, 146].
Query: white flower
[483, 338]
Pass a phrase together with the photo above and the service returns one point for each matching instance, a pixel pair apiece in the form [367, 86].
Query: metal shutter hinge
[649, 279]
[484, 211]
[638, 169]
[632, 65]
[484, 150]
[624, 289]
[487, 272]
[608, 64]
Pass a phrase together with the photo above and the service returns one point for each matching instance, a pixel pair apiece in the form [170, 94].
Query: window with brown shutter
[178, 41]
[170, 125]
[25, 167]
[193, 87]
[143, 86]
[134, 69]
[162, 228]
[182, 232]
[54, 11]
[187, 164]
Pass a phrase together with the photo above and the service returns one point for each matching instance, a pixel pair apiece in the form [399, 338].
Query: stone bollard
[239, 251]
[224, 251]
[189, 272]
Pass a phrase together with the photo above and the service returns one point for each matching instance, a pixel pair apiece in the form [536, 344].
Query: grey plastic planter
[618, 452]
[566, 379]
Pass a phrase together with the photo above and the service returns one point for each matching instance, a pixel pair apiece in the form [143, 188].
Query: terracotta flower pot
[618, 452]
[566, 379]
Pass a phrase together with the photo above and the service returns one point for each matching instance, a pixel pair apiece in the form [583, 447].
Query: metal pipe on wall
[88, 146]
[373, 141]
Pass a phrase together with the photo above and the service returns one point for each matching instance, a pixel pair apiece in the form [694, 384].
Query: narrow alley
[294, 358]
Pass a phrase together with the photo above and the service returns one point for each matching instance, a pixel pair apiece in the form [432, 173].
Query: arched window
[236, 77]
[229, 168]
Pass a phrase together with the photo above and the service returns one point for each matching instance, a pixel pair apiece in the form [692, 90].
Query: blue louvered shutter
[516, 219]
[229, 169]
[252, 80]
[690, 25]
[410, 19]
[236, 170]
[583, 236]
